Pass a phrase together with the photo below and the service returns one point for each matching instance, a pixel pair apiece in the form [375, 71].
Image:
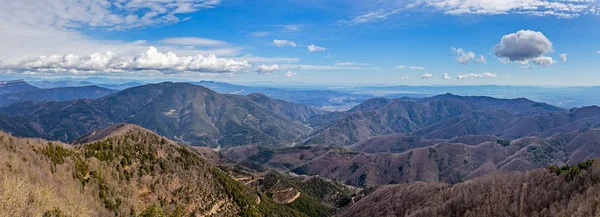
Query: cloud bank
[110, 62]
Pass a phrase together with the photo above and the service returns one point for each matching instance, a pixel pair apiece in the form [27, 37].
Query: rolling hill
[407, 159]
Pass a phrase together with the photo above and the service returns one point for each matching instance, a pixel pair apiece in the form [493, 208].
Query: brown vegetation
[536, 193]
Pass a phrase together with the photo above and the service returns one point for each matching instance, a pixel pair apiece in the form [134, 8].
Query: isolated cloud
[315, 48]
[148, 60]
[523, 45]
[283, 43]
[446, 76]
[480, 59]
[543, 61]
[462, 56]
[563, 57]
[476, 76]
[290, 74]
[403, 77]
[426, 76]
[267, 69]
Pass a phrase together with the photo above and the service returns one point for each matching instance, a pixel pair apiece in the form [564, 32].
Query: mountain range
[180, 111]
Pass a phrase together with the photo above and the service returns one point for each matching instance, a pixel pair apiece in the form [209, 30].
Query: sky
[341, 42]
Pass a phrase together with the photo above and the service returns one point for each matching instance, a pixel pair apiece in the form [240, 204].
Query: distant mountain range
[15, 86]
[180, 111]
[447, 116]
[55, 94]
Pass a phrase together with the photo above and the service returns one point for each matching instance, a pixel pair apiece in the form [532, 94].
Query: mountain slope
[439, 117]
[56, 94]
[405, 159]
[124, 170]
[180, 111]
[538, 193]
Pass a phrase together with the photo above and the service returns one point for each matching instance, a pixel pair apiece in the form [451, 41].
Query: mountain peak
[115, 130]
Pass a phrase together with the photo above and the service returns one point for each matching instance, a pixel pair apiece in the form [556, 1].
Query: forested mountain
[180, 111]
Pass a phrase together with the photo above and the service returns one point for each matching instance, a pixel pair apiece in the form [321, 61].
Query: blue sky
[356, 42]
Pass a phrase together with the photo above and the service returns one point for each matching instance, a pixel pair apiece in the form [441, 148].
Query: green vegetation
[570, 172]
[503, 142]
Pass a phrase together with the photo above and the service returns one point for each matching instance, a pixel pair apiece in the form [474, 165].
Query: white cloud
[523, 45]
[480, 59]
[426, 76]
[267, 69]
[465, 57]
[283, 43]
[403, 78]
[563, 57]
[543, 61]
[370, 17]
[290, 74]
[476, 76]
[446, 76]
[559, 8]
[410, 67]
[148, 60]
[194, 41]
[114, 14]
[315, 48]
[351, 64]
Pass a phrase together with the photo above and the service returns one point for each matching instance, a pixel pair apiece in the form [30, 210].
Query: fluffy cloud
[290, 74]
[462, 56]
[426, 76]
[523, 45]
[543, 61]
[446, 76]
[476, 76]
[267, 69]
[465, 57]
[559, 8]
[148, 60]
[283, 43]
[194, 41]
[563, 57]
[315, 48]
